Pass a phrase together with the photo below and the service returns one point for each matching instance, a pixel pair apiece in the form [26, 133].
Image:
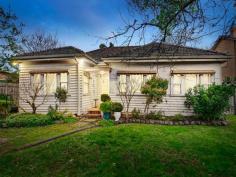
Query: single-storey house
[87, 75]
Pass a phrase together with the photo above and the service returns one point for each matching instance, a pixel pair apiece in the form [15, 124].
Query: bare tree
[39, 41]
[127, 91]
[180, 21]
[33, 95]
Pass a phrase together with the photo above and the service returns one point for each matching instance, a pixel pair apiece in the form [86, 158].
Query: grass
[131, 150]
[16, 137]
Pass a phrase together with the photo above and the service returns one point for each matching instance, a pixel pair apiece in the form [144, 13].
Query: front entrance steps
[93, 113]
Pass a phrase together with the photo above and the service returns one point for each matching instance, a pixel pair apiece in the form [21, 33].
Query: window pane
[177, 84]
[190, 81]
[63, 77]
[205, 80]
[136, 82]
[51, 83]
[86, 84]
[36, 78]
[122, 83]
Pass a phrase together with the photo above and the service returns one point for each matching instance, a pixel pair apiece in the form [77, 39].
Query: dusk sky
[77, 22]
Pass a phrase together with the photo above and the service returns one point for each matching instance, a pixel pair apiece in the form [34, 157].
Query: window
[134, 81]
[177, 84]
[122, 83]
[86, 84]
[64, 80]
[181, 83]
[50, 81]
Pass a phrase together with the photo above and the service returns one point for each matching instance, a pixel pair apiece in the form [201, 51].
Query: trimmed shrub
[105, 106]
[209, 103]
[27, 120]
[116, 107]
[105, 97]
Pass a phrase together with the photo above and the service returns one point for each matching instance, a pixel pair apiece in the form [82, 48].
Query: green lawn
[16, 137]
[132, 150]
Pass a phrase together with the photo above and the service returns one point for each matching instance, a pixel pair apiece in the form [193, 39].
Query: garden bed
[174, 122]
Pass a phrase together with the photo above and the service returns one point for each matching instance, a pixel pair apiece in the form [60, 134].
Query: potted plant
[117, 108]
[105, 107]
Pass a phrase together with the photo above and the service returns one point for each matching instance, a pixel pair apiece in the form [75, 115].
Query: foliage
[178, 117]
[105, 97]
[105, 106]
[102, 46]
[54, 114]
[5, 105]
[61, 94]
[116, 107]
[39, 41]
[27, 120]
[136, 113]
[209, 103]
[125, 150]
[154, 115]
[106, 123]
[10, 31]
[154, 89]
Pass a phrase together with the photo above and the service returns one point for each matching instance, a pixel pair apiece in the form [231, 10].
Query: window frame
[211, 80]
[144, 78]
[44, 81]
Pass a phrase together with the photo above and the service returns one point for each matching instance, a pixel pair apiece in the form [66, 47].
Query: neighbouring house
[88, 75]
[8, 77]
[227, 44]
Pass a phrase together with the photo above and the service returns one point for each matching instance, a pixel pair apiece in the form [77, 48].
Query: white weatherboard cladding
[171, 105]
[71, 103]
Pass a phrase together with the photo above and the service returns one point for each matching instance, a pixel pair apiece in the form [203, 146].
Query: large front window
[132, 81]
[50, 81]
[181, 83]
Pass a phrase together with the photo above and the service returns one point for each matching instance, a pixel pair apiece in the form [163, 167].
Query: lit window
[122, 83]
[181, 83]
[190, 81]
[136, 82]
[86, 84]
[177, 84]
[205, 80]
[50, 83]
[64, 81]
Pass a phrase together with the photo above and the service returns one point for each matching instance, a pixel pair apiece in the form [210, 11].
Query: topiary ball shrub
[106, 106]
[116, 107]
[105, 97]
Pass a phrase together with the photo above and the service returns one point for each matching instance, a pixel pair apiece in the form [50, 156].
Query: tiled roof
[152, 49]
[56, 51]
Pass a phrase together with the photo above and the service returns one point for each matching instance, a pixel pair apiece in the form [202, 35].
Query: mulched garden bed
[174, 122]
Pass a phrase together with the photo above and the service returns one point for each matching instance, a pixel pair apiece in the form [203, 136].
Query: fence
[10, 89]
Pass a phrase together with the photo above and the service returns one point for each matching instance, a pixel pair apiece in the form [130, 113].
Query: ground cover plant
[132, 150]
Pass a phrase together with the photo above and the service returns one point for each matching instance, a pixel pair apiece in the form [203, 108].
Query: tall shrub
[154, 89]
[209, 103]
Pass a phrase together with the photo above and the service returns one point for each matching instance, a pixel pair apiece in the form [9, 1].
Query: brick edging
[169, 122]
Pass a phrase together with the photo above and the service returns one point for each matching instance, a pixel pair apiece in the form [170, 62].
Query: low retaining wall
[172, 122]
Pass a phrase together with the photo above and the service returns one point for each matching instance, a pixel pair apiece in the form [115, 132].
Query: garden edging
[171, 122]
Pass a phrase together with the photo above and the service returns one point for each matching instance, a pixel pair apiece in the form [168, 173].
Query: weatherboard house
[87, 75]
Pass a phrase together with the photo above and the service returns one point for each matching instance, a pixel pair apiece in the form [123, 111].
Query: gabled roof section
[150, 50]
[61, 52]
[56, 51]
